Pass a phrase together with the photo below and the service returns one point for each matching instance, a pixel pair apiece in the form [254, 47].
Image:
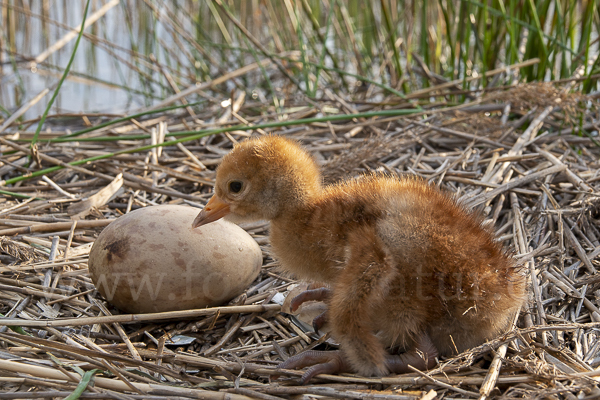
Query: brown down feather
[402, 257]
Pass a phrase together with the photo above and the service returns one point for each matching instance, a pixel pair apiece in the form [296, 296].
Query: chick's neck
[310, 240]
[293, 191]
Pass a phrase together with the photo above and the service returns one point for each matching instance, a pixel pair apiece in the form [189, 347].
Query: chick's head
[262, 178]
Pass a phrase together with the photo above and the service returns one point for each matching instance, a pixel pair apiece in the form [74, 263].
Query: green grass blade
[265, 75]
[391, 35]
[17, 329]
[195, 135]
[129, 117]
[448, 14]
[543, 56]
[323, 54]
[62, 79]
[323, 38]
[86, 379]
[588, 83]
[18, 196]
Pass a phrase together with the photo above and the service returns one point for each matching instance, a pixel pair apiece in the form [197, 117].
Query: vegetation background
[339, 45]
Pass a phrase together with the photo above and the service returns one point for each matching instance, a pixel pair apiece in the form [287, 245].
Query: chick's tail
[363, 281]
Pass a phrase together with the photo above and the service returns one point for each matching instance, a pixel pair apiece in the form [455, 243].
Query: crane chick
[412, 274]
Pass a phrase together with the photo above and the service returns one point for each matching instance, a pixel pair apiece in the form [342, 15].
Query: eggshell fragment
[151, 260]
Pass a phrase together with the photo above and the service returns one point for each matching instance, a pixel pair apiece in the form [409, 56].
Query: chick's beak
[215, 209]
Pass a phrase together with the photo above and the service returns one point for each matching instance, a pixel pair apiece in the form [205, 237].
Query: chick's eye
[235, 186]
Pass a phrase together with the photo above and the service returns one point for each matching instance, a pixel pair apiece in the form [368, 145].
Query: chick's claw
[320, 320]
[321, 362]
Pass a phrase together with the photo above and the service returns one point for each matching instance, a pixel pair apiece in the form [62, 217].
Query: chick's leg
[363, 285]
[363, 281]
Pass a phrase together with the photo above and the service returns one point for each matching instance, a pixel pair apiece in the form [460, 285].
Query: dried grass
[538, 186]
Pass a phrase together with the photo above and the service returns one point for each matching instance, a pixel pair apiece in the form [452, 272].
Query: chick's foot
[321, 362]
[422, 357]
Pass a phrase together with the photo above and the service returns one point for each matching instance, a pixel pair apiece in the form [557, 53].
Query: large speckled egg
[151, 260]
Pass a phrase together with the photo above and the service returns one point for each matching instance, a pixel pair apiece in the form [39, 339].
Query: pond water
[105, 77]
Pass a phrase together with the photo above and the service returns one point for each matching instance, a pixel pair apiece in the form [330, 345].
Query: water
[103, 78]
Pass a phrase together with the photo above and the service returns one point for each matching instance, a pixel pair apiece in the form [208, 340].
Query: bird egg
[151, 260]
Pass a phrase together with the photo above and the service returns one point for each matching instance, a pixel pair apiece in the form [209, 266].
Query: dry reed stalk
[539, 191]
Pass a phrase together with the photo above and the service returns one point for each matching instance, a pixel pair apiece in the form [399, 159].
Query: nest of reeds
[526, 157]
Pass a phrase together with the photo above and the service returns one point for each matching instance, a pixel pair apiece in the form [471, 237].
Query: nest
[516, 157]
